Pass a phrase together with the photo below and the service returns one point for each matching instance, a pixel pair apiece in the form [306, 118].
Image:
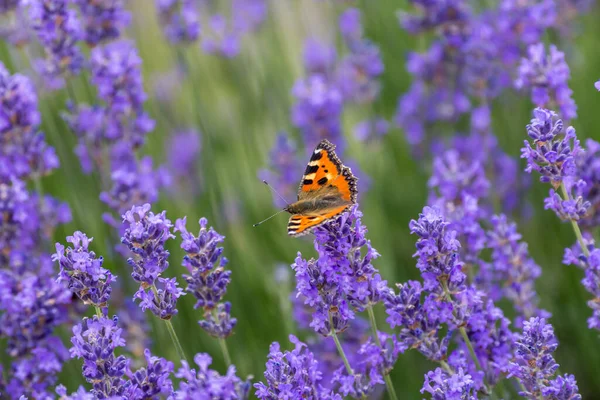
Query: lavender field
[134, 136]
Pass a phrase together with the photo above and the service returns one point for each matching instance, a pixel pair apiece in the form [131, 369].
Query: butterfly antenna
[276, 192]
[266, 219]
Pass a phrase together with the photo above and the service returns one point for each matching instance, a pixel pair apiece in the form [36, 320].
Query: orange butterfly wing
[299, 225]
[326, 169]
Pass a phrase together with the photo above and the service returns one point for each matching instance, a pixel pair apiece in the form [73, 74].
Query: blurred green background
[241, 104]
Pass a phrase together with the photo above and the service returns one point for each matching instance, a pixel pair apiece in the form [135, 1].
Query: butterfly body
[326, 190]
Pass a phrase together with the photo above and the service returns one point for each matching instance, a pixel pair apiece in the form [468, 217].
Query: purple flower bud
[554, 151]
[95, 341]
[161, 302]
[145, 236]
[534, 364]
[179, 19]
[83, 272]
[103, 20]
[219, 38]
[153, 379]
[547, 76]
[218, 321]
[442, 385]
[59, 32]
[207, 382]
[292, 374]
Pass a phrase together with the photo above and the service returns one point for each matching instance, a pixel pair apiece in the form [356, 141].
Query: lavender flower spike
[292, 375]
[83, 272]
[207, 383]
[103, 20]
[207, 279]
[534, 364]
[145, 235]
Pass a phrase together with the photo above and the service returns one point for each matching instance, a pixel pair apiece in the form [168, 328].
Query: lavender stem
[225, 351]
[574, 224]
[171, 330]
[386, 375]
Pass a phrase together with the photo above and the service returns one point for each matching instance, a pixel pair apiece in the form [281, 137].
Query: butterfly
[326, 190]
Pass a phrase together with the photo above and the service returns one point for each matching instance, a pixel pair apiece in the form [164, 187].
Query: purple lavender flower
[207, 279]
[547, 76]
[145, 236]
[95, 341]
[370, 365]
[161, 302]
[179, 19]
[597, 85]
[103, 20]
[208, 383]
[248, 15]
[219, 38]
[59, 31]
[83, 272]
[317, 110]
[554, 151]
[371, 129]
[80, 394]
[588, 171]
[419, 329]
[292, 374]
[33, 306]
[116, 73]
[512, 272]
[183, 153]
[343, 278]
[23, 151]
[153, 379]
[133, 182]
[319, 57]
[591, 281]
[449, 16]
[282, 171]
[534, 364]
[442, 385]
[8, 5]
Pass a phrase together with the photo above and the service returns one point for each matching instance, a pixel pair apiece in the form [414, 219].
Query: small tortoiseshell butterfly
[327, 189]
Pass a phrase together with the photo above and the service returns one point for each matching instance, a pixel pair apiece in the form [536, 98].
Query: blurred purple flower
[219, 38]
[588, 171]
[135, 328]
[83, 272]
[319, 57]
[133, 182]
[95, 341]
[183, 154]
[23, 150]
[534, 364]
[597, 85]
[591, 281]
[145, 235]
[512, 272]
[293, 374]
[103, 20]
[179, 19]
[282, 172]
[547, 77]
[248, 15]
[59, 31]
[207, 383]
[117, 75]
[80, 394]
[317, 110]
[207, 279]
[351, 26]
[8, 5]
[449, 16]
[371, 129]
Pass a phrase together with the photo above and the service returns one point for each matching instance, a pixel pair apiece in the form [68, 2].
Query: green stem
[447, 367]
[98, 311]
[463, 333]
[340, 349]
[386, 375]
[175, 339]
[171, 329]
[225, 351]
[574, 224]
